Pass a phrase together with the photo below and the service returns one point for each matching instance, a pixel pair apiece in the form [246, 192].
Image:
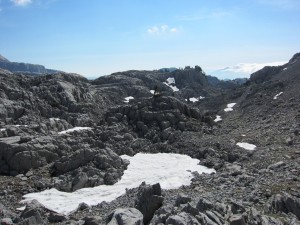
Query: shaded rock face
[285, 203]
[149, 199]
[26, 99]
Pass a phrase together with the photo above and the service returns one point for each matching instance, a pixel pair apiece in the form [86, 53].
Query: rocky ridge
[32, 69]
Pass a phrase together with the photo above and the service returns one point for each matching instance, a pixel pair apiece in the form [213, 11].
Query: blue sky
[98, 37]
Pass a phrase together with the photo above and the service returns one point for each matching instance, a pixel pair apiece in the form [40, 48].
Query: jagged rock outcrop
[149, 199]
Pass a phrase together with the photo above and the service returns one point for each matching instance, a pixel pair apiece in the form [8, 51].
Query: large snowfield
[170, 170]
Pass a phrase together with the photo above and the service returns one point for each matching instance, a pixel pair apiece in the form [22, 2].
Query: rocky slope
[258, 186]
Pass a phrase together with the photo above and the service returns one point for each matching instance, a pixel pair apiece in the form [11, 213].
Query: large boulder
[149, 199]
[129, 216]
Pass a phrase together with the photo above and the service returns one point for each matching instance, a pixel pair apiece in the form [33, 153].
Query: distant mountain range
[32, 69]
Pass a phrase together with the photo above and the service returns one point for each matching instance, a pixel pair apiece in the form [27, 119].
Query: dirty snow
[246, 146]
[229, 107]
[128, 98]
[218, 118]
[170, 170]
[276, 96]
[75, 129]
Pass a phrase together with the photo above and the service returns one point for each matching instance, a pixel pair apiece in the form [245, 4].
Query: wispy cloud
[283, 4]
[163, 29]
[21, 2]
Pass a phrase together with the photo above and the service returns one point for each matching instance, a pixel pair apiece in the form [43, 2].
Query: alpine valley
[62, 134]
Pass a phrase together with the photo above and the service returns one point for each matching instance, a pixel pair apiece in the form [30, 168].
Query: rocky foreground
[63, 131]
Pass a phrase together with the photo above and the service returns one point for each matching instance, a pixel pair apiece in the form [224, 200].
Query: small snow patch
[285, 69]
[3, 129]
[54, 119]
[218, 118]
[276, 96]
[170, 170]
[170, 82]
[21, 125]
[193, 99]
[246, 146]
[75, 129]
[21, 208]
[127, 99]
[229, 107]
[152, 92]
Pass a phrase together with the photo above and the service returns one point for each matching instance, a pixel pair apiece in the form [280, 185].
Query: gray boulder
[130, 216]
[149, 199]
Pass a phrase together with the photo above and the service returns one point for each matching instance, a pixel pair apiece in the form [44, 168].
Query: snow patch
[170, 170]
[285, 69]
[170, 82]
[21, 125]
[127, 99]
[246, 146]
[54, 119]
[229, 107]
[276, 96]
[218, 118]
[21, 208]
[152, 92]
[193, 99]
[75, 129]
[3, 129]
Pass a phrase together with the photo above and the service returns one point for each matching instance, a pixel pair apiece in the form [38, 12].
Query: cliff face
[24, 67]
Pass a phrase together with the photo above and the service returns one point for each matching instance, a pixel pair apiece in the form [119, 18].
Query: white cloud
[242, 70]
[249, 68]
[21, 2]
[163, 29]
